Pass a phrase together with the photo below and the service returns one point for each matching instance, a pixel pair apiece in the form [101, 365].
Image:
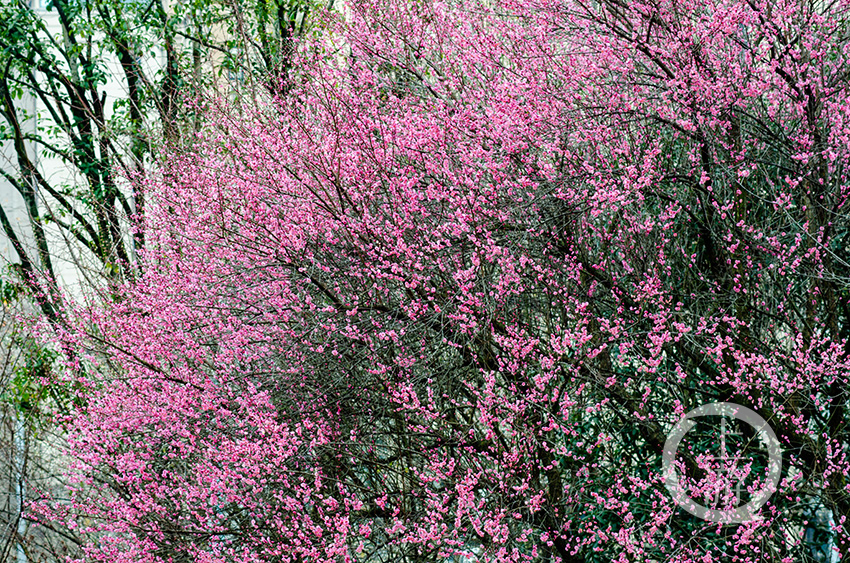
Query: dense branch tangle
[446, 298]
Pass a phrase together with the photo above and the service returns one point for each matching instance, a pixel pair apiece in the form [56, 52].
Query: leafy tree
[109, 84]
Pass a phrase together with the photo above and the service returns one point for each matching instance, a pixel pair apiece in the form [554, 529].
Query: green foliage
[9, 292]
[34, 388]
[29, 385]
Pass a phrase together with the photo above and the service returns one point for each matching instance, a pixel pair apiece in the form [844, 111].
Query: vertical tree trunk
[19, 486]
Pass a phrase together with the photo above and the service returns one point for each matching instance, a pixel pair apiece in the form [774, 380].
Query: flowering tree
[446, 299]
[89, 90]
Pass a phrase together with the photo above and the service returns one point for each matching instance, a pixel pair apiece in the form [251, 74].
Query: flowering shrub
[444, 301]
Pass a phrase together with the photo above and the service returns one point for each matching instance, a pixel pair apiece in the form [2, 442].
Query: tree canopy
[444, 297]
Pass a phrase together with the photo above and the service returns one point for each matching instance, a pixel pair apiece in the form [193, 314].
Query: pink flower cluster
[445, 299]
